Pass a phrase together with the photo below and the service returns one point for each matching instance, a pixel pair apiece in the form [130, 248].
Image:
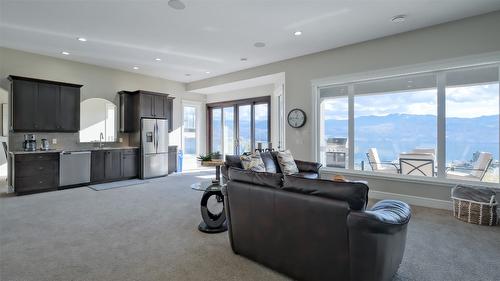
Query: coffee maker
[29, 143]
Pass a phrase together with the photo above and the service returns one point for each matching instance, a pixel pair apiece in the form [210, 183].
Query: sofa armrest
[306, 166]
[384, 217]
[377, 240]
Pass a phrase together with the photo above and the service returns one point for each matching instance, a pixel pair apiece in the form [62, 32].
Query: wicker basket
[474, 205]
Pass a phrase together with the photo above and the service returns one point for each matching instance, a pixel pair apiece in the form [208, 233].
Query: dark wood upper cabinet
[24, 104]
[160, 107]
[69, 109]
[170, 113]
[147, 105]
[44, 106]
[143, 104]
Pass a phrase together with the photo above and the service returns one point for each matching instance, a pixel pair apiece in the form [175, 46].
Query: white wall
[99, 82]
[472, 36]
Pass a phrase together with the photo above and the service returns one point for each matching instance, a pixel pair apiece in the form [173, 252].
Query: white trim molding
[412, 200]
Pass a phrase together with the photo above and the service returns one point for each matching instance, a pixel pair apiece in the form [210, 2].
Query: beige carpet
[148, 232]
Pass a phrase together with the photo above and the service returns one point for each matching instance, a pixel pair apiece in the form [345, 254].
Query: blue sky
[464, 102]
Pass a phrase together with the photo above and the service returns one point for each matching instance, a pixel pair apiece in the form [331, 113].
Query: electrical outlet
[120, 139]
[54, 141]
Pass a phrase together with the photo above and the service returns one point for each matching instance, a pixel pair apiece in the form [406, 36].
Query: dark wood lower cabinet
[36, 172]
[116, 164]
[97, 166]
[113, 165]
[130, 165]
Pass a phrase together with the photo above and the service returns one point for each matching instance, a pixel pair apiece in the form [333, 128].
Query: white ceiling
[210, 35]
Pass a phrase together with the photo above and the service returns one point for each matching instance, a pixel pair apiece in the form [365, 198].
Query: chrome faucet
[101, 138]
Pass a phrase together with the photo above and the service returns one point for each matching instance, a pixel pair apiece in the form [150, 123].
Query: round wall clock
[296, 118]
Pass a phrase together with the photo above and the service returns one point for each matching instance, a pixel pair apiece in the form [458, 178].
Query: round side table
[212, 222]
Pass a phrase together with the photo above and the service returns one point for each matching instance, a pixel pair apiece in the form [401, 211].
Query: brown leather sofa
[306, 169]
[314, 229]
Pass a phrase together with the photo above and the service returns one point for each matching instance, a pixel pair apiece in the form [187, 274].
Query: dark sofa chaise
[306, 169]
[314, 229]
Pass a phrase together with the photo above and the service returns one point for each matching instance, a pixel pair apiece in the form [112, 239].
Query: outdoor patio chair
[377, 165]
[417, 164]
[478, 170]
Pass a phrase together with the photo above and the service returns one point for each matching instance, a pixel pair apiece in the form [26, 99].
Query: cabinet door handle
[40, 182]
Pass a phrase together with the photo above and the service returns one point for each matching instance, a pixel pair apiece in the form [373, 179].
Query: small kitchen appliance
[45, 145]
[29, 143]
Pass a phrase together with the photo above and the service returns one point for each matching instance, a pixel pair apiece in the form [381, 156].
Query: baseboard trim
[412, 200]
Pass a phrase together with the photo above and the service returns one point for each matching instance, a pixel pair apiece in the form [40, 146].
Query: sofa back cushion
[253, 162]
[354, 193]
[269, 162]
[263, 179]
[287, 163]
[233, 161]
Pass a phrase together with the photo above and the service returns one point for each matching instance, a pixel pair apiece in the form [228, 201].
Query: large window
[440, 124]
[239, 126]
[472, 124]
[97, 120]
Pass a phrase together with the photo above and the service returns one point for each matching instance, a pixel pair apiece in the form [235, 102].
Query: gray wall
[98, 82]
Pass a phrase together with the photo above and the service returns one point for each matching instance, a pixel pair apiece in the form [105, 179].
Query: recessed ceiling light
[207, 72]
[297, 33]
[259, 44]
[243, 59]
[399, 18]
[65, 53]
[135, 67]
[157, 59]
[82, 39]
[176, 4]
[187, 74]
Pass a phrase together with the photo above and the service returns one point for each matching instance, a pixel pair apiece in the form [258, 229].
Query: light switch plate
[54, 141]
[120, 139]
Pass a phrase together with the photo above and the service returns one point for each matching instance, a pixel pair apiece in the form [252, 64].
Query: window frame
[437, 69]
[235, 104]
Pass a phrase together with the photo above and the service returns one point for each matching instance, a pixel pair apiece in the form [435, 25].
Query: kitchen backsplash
[66, 141]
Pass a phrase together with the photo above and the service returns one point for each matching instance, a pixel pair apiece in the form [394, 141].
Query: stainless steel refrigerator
[154, 148]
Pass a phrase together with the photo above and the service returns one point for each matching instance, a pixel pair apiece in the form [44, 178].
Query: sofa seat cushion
[354, 193]
[264, 179]
[307, 175]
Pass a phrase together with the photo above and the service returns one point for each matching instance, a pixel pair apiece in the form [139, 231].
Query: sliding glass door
[245, 128]
[228, 139]
[239, 126]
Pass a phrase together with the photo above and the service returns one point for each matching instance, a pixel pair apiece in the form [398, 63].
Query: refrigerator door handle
[156, 135]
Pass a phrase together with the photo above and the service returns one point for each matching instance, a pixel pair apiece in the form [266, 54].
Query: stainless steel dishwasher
[74, 168]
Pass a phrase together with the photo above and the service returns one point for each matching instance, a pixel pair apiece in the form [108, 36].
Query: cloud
[465, 102]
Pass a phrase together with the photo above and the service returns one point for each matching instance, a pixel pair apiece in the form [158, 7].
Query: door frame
[235, 104]
[198, 123]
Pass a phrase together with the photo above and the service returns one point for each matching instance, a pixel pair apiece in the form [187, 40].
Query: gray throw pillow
[253, 162]
[287, 163]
